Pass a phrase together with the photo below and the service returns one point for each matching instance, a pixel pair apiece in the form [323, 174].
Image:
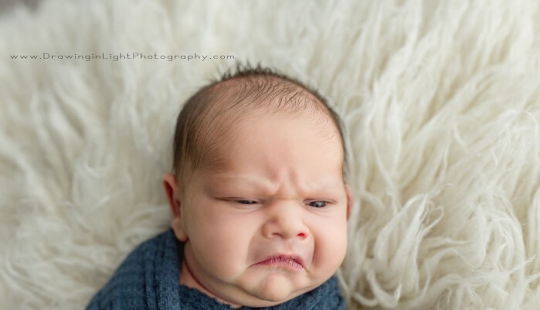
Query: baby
[259, 204]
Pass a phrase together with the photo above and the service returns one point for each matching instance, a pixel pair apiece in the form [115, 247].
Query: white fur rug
[441, 100]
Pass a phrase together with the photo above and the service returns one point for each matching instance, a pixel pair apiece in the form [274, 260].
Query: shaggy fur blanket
[441, 100]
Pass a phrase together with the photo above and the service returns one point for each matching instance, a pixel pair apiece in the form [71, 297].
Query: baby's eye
[318, 204]
[247, 202]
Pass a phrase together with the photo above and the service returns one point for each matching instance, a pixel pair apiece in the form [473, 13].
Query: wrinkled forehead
[254, 161]
[239, 101]
[245, 133]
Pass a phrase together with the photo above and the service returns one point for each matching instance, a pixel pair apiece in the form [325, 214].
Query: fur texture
[441, 100]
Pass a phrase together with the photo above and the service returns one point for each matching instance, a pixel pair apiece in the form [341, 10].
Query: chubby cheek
[330, 248]
[220, 241]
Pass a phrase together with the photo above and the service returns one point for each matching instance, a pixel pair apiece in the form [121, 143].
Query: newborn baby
[258, 198]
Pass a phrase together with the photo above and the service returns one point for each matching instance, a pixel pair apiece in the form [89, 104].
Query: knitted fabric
[149, 279]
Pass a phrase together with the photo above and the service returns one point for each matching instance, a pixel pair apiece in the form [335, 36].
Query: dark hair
[207, 116]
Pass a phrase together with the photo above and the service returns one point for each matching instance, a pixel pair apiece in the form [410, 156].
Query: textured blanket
[148, 280]
[441, 100]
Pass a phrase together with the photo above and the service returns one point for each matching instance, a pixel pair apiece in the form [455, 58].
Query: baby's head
[258, 190]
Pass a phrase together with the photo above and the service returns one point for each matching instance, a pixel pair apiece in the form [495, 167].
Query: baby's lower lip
[282, 262]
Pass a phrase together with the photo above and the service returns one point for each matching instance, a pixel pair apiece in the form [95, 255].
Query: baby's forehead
[212, 116]
[221, 156]
[237, 135]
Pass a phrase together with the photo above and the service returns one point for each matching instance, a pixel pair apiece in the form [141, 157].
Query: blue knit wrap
[149, 279]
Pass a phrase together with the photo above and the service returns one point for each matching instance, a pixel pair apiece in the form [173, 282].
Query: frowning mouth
[290, 261]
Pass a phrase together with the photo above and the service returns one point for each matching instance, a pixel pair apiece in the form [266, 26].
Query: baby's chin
[274, 289]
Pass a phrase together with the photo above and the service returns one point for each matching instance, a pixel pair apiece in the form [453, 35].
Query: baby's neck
[187, 279]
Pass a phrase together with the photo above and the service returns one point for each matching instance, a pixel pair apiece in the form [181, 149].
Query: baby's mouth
[288, 261]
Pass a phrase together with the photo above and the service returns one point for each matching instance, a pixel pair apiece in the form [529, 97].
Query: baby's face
[272, 225]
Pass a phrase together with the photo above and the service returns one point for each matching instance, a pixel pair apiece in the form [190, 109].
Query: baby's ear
[173, 194]
[350, 198]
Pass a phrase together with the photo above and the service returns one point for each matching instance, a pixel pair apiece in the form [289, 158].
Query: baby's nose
[285, 220]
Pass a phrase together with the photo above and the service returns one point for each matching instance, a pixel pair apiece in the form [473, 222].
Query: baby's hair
[207, 116]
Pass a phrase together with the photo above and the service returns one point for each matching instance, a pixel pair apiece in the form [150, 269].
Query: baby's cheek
[220, 260]
[330, 250]
[227, 245]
